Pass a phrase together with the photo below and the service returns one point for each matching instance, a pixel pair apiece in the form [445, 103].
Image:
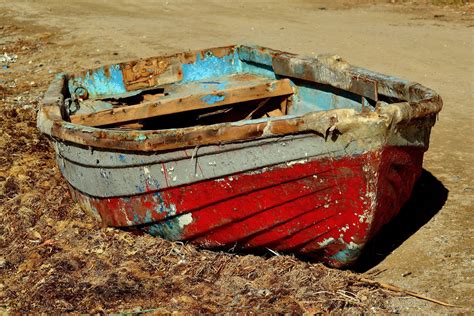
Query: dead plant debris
[54, 258]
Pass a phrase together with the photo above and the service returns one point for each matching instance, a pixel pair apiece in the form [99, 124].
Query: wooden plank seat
[179, 97]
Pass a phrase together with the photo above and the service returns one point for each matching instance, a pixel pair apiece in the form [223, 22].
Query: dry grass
[54, 259]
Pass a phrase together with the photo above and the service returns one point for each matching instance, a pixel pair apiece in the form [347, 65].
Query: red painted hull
[326, 208]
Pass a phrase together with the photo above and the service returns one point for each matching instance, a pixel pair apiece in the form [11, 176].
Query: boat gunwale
[422, 102]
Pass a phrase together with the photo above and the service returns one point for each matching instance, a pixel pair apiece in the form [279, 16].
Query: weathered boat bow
[307, 155]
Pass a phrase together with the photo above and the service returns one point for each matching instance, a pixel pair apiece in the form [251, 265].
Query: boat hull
[319, 174]
[326, 208]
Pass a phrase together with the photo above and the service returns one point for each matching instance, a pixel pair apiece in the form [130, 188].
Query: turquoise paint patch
[160, 208]
[140, 220]
[169, 228]
[258, 69]
[255, 61]
[255, 55]
[211, 66]
[148, 218]
[153, 199]
[347, 255]
[309, 99]
[105, 81]
[216, 85]
[140, 138]
[212, 98]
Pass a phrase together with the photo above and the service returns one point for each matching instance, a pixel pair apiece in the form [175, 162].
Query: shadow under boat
[428, 197]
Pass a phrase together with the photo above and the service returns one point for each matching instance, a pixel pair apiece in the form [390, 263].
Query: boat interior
[230, 84]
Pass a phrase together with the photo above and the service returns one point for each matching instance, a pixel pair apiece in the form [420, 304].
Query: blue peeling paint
[215, 85]
[140, 220]
[141, 137]
[309, 98]
[258, 69]
[212, 98]
[140, 188]
[256, 61]
[170, 228]
[105, 81]
[255, 55]
[155, 199]
[350, 254]
[121, 158]
[148, 218]
[210, 66]
[161, 208]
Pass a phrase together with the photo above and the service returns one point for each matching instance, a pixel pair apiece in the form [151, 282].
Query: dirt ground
[54, 259]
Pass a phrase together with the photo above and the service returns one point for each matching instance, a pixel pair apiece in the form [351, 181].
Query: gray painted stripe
[178, 168]
[96, 158]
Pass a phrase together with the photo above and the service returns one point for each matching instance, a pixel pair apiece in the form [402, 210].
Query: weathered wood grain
[192, 102]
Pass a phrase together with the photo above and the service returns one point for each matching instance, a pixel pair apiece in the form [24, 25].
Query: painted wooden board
[199, 95]
[326, 208]
[320, 181]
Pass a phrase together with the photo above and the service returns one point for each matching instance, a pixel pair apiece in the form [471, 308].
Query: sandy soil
[428, 248]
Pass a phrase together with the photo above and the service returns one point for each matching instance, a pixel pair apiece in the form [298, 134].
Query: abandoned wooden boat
[243, 147]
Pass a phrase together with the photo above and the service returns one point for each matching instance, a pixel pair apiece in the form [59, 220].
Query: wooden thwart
[169, 105]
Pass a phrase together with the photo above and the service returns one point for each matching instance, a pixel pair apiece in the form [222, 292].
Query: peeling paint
[295, 162]
[326, 242]
[212, 98]
[209, 66]
[141, 137]
[310, 180]
[348, 255]
[104, 81]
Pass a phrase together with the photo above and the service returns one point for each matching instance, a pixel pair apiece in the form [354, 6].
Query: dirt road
[430, 247]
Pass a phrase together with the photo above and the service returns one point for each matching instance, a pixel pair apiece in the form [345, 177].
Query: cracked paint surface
[314, 208]
[325, 199]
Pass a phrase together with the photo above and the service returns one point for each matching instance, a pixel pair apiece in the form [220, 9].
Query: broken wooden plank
[221, 111]
[130, 126]
[187, 103]
[259, 106]
[274, 113]
[152, 97]
[284, 106]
